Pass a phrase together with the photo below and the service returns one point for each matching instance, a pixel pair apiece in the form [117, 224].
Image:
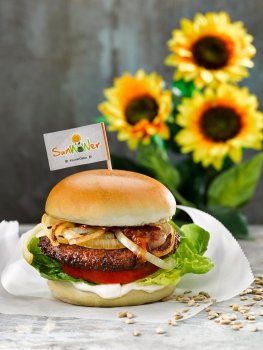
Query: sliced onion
[87, 237]
[141, 252]
[49, 220]
[106, 241]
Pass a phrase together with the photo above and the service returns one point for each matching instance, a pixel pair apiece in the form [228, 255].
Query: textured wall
[56, 56]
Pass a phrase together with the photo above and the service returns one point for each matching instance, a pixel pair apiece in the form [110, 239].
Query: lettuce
[48, 268]
[188, 258]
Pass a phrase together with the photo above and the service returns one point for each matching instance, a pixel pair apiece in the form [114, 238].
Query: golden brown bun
[66, 292]
[110, 198]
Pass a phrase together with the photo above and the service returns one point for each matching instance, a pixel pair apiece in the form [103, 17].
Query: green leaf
[156, 160]
[198, 237]
[182, 88]
[236, 186]
[233, 220]
[47, 267]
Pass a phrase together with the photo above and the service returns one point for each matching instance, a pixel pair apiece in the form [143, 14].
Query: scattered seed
[217, 320]
[130, 315]
[197, 304]
[160, 330]
[185, 300]
[257, 298]
[237, 323]
[129, 321]
[178, 317]
[261, 313]
[191, 303]
[250, 318]
[244, 298]
[229, 317]
[235, 307]
[136, 333]
[236, 327]
[122, 314]
[207, 309]
[187, 292]
[250, 304]
[259, 282]
[185, 310]
[172, 322]
[224, 321]
[253, 329]
[204, 294]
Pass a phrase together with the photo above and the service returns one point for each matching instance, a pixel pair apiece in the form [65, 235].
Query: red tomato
[105, 277]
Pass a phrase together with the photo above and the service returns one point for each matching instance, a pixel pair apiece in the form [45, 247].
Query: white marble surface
[27, 332]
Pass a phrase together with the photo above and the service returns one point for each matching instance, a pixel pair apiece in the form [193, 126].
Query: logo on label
[76, 146]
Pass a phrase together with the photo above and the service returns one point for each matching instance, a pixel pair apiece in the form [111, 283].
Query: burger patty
[98, 259]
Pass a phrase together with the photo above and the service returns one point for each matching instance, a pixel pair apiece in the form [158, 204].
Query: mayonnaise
[111, 291]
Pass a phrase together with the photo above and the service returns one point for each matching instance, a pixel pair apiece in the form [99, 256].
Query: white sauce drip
[111, 291]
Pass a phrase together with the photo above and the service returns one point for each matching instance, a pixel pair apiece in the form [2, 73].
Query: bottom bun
[66, 292]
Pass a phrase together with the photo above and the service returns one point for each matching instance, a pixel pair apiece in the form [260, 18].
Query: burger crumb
[130, 315]
[122, 314]
[136, 333]
[160, 330]
[129, 321]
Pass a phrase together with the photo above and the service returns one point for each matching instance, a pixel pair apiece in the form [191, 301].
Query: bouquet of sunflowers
[191, 134]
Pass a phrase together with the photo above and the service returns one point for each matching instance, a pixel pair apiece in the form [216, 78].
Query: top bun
[110, 198]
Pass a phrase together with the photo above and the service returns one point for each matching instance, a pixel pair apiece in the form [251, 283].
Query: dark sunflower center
[220, 123]
[210, 52]
[143, 107]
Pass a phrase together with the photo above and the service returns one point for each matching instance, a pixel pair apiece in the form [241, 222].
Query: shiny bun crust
[110, 198]
[64, 291]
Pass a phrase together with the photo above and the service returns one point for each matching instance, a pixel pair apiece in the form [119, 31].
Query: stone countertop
[31, 332]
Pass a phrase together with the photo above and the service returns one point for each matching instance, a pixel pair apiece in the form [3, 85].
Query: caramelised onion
[166, 265]
[166, 251]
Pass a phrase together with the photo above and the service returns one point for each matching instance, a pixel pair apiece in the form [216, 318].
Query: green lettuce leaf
[188, 258]
[48, 267]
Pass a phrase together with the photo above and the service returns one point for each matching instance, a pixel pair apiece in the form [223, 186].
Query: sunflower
[219, 123]
[211, 49]
[137, 107]
[76, 138]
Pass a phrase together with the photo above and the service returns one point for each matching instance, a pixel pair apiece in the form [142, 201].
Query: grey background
[56, 57]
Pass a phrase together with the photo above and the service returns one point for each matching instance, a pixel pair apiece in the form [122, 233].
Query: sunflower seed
[172, 322]
[136, 333]
[224, 321]
[236, 327]
[129, 321]
[250, 317]
[122, 314]
[257, 298]
[160, 330]
[178, 317]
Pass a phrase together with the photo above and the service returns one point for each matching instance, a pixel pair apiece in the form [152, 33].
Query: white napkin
[28, 293]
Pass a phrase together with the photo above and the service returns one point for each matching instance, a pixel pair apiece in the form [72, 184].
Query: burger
[107, 239]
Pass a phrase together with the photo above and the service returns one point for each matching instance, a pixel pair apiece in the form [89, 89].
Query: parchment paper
[23, 291]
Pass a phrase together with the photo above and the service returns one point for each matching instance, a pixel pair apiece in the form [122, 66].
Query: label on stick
[83, 145]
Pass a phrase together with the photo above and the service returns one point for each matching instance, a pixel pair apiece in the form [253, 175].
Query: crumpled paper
[23, 291]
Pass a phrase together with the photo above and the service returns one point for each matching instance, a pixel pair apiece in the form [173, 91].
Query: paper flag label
[78, 146]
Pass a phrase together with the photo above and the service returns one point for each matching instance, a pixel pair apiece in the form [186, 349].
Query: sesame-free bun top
[110, 198]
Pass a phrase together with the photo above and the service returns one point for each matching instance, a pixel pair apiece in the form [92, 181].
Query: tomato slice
[107, 277]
